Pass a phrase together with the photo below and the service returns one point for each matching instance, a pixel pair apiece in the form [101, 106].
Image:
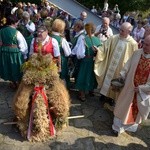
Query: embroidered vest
[46, 48]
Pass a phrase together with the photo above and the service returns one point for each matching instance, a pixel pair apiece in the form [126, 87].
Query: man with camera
[104, 31]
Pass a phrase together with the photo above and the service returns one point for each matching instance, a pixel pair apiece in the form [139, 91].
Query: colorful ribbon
[40, 90]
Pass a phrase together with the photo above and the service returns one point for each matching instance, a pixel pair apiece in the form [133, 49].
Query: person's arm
[80, 51]
[22, 44]
[56, 49]
[144, 90]
[76, 47]
[57, 56]
[110, 32]
[102, 50]
[30, 27]
[66, 47]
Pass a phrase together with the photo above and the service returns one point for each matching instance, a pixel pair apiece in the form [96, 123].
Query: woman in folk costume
[133, 104]
[86, 80]
[27, 28]
[58, 28]
[77, 45]
[47, 44]
[41, 103]
[13, 50]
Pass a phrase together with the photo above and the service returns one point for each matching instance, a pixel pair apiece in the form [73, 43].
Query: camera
[104, 32]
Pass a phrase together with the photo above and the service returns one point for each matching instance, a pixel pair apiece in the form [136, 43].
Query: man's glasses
[40, 31]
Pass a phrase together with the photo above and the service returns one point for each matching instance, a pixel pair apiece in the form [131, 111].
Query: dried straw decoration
[41, 71]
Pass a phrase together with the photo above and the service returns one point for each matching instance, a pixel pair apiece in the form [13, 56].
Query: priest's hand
[95, 49]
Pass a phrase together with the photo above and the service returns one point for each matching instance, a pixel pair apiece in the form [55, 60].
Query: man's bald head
[83, 15]
[125, 29]
[105, 22]
[106, 19]
[127, 26]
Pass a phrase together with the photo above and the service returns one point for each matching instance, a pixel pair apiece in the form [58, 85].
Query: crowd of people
[93, 56]
[117, 17]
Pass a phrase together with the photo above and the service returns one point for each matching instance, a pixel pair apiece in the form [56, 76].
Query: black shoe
[102, 98]
[91, 94]
[115, 133]
[82, 98]
[111, 102]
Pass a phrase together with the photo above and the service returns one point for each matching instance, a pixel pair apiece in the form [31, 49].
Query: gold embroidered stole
[116, 56]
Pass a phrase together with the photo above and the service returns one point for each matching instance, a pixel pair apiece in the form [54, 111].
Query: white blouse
[22, 44]
[65, 45]
[79, 49]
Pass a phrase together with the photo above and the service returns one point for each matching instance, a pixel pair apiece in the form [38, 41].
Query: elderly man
[27, 28]
[83, 16]
[104, 31]
[111, 58]
[133, 103]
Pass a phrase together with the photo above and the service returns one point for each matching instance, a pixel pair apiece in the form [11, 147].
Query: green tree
[124, 5]
[31, 1]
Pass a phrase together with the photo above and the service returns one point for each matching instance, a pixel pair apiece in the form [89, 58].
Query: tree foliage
[31, 1]
[124, 5]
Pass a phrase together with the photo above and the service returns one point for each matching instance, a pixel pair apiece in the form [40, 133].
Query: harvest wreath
[41, 103]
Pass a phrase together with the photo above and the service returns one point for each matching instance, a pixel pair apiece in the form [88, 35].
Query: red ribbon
[40, 90]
